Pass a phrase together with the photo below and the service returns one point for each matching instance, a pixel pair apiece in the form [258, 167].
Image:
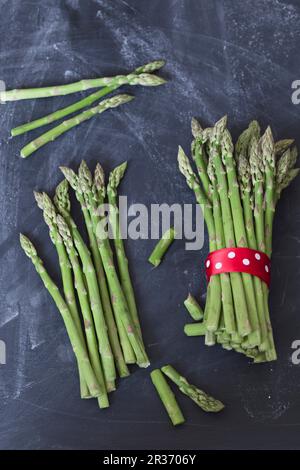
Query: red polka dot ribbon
[240, 260]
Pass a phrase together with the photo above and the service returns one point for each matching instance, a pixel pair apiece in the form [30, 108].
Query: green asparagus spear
[78, 347]
[115, 178]
[49, 213]
[119, 301]
[88, 101]
[89, 327]
[206, 402]
[55, 132]
[63, 205]
[144, 79]
[99, 190]
[167, 397]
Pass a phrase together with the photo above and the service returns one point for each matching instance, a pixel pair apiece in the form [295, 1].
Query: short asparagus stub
[167, 397]
[193, 308]
[162, 246]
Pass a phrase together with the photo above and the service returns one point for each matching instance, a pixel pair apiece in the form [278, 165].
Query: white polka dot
[246, 262]
[218, 265]
[208, 263]
[266, 269]
[231, 254]
[257, 256]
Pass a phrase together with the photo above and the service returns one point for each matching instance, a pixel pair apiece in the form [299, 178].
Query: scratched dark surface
[238, 58]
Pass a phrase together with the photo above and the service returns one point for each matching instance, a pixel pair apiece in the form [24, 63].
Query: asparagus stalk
[167, 397]
[227, 300]
[206, 402]
[96, 306]
[99, 194]
[49, 214]
[85, 307]
[161, 247]
[257, 175]
[144, 79]
[213, 302]
[240, 303]
[119, 301]
[55, 132]
[78, 346]
[63, 205]
[195, 329]
[193, 308]
[254, 338]
[268, 157]
[115, 178]
[88, 101]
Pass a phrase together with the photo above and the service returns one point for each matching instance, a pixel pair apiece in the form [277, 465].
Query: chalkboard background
[234, 57]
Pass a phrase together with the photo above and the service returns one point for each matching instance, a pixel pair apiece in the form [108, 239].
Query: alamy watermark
[138, 221]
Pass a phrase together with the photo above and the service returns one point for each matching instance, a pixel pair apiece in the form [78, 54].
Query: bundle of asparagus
[98, 306]
[238, 188]
[140, 76]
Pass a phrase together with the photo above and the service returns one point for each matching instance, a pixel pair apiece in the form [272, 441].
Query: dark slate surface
[223, 57]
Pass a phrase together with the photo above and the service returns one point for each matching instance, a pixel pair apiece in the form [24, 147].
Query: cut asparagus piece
[167, 397]
[195, 329]
[206, 402]
[161, 247]
[193, 308]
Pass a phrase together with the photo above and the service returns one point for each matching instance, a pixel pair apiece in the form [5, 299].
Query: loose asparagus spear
[115, 178]
[62, 202]
[49, 213]
[96, 306]
[167, 397]
[92, 342]
[78, 347]
[48, 92]
[88, 101]
[193, 307]
[206, 402]
[161, 247]
[119, 301]
[195, 329]
[99, 190]
[55, 132]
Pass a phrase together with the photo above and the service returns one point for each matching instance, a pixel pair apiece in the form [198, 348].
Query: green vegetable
[89, 100]
[206, 402]
[195, 329]
[161, 247]
[193, 307]
[167, 397]
[75, 339]
[75, 121]
[144, 79]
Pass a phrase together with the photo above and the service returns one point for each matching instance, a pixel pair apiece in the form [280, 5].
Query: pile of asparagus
[238, 188]
[98, 304]
[140, 76]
